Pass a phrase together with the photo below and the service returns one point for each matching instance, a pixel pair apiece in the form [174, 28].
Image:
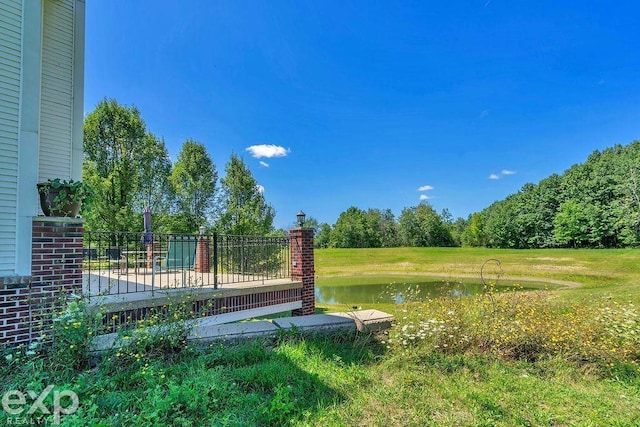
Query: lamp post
[302, 265]
[301, 215]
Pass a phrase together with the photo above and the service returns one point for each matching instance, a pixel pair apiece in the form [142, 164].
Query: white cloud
[268, 151]
[260, 189]
[425, 188]
[484, 114]
[507, 172]
[424, 197]
[494, 176]
[264, 164]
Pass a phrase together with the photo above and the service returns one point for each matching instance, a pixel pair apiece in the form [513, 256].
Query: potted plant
[63, 197]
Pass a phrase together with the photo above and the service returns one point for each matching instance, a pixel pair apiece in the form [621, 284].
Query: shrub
[520, 325]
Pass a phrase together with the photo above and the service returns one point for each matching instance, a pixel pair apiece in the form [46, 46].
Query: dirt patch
[558, 267]
[546, 258]
[405, 264]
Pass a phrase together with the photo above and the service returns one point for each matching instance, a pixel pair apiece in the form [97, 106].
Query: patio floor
[142, 285]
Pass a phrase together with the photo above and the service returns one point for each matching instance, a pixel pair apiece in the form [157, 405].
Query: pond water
[397, 292]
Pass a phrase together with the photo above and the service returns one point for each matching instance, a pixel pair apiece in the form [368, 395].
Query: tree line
[130, 169]
[374, 228]
[595, 204]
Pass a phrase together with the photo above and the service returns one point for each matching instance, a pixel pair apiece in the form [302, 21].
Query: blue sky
[375, 104]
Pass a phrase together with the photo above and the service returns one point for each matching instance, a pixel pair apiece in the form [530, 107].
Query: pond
[396, 290]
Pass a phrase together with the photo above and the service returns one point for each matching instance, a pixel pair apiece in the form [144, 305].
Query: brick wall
[114, 320]
[302, 268]
[27, 303]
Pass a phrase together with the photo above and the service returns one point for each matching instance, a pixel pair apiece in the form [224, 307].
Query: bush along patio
[131, 276]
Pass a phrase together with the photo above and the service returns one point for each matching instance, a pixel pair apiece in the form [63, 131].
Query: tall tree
[246, 211]
[389, 229]
[571, 224]
[351, 230]
[502, 224]
[155, 172]
[422, 226]
[323, 236]
[193, 180]
[113, 141]
[474, 233]
[627, 207]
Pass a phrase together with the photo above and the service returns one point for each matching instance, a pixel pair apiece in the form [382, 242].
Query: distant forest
[595, 204]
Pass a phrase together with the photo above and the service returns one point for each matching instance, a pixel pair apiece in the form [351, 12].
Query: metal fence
[120, 263]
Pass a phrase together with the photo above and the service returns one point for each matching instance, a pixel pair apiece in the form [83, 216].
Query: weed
[521, 325]
[281, 406]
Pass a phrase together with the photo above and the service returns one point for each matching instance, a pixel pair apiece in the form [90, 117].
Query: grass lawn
[545, 358]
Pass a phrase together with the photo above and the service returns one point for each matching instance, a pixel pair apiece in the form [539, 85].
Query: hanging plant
[63, 197]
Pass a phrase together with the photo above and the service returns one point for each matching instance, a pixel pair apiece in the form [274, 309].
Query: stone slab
[102, 343]
[209, 332]
[316, 322]
[210, 328]
[369, 320]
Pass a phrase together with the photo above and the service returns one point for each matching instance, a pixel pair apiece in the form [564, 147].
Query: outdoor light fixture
[300, 217]
[201, 229]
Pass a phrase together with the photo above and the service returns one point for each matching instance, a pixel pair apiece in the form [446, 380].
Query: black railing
[119, 263]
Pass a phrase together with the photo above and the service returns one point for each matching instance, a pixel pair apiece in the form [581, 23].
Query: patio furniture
[89, 254]
[181, 255]
[113, 255]
[137, 258]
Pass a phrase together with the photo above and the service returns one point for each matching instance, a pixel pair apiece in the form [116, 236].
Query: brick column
[153, 250]
[203, 258]
[26, 305]
[302, 268]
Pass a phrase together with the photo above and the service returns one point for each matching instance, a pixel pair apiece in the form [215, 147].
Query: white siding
[56, 108]
[10, 72]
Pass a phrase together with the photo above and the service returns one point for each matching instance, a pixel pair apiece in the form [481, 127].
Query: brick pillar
[203, 258]
[302, 268]
[27, 303]
[153, 250]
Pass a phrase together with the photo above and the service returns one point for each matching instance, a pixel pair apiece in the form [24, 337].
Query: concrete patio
[212, 329]
[144, 288]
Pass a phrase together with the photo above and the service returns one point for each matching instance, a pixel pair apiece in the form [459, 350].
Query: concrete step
[212, 329]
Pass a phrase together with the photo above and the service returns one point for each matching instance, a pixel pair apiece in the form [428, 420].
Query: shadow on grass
[260, 382]
[290, 380]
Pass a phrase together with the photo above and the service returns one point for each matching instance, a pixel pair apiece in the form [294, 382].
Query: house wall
[56, 103]
[41, 114]
[61, 104]
[10, 78]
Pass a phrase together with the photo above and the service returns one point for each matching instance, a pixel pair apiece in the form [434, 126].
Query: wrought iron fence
[120, 263]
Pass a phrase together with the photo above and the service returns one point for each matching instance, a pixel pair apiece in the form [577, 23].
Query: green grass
[389, 279]
[592, 267]
[612, 271]
[340, 380]
[564, 357]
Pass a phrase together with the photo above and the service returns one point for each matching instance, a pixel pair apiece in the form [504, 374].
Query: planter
[55, 204]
